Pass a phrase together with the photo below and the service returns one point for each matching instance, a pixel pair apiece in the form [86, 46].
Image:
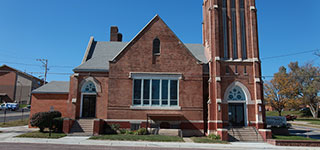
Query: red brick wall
[101, 97]
[43, 103]
[7, 82]
[138, 57]
[213, 27]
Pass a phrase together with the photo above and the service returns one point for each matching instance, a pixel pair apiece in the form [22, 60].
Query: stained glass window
[89, 87]
[236, 94]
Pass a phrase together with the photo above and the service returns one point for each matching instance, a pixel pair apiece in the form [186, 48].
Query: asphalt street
[13, 115]
[28, 146]
[305, 131]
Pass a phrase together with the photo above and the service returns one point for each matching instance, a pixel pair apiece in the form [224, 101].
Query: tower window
[236, 69]
[243, 30]
[225, 28]
[227, 70]
[234, 29]
[156, 46]
[245, 70]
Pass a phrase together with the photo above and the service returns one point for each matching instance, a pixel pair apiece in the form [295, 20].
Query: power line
[292, 54]
[17, 63]
[61, 66]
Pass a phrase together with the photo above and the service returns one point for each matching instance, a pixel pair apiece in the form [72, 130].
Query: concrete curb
[85, 141]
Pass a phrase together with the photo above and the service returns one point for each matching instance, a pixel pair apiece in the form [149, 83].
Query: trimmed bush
[44, 120]
[57, 125]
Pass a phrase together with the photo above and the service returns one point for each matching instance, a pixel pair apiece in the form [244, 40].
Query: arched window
[236, 94]
[88, 87]
[156, 46]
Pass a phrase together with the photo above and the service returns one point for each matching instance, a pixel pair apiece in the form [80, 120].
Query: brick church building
[155, 80]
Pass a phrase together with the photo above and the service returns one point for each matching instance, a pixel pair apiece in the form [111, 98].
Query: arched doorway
[88, 100]
[237, 97]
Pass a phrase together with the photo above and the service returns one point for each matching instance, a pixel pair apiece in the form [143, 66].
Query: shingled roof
[100, 53]
[53, 87]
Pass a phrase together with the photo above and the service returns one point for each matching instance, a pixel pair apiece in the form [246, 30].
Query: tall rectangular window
[155, 92]
[243, 30]
[173, 93]
[225, 29]
[164, 94]
[137, 92]
[234, 29]
[146, 92]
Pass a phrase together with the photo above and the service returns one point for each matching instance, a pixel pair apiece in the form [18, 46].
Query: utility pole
[45, 65]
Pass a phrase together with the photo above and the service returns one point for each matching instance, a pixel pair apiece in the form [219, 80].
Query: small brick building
[156, 80]
[16, 86]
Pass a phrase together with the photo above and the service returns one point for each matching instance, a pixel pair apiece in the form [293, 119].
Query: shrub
[44, 120]
[141, 131]
[129, 132]
[123, 131]
[214, 137]
[115, 127]
[57, 125]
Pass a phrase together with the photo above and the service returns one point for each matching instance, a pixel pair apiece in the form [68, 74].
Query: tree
[280, 91]
[308, 79]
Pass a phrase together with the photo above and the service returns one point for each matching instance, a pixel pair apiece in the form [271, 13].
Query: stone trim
[155, 108]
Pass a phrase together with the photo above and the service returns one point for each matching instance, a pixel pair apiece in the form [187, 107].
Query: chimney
[115, 36]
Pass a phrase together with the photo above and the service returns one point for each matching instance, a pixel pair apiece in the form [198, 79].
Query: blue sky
[59, 30]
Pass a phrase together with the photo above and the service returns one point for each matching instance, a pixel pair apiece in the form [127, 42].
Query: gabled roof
[98, 54]
[53, 87]
[20, 72]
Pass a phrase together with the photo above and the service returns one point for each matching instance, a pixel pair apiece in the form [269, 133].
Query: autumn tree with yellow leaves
[281, 91]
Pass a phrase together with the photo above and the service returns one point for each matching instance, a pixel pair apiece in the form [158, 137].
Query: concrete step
[244, 134]
[82, 127]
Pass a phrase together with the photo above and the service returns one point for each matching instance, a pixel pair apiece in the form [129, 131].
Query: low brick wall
[98, 126]
[266, 134]
[294, 143]
[223, 134]
[67, 125]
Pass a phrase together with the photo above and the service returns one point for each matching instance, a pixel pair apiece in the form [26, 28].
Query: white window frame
[155, 76]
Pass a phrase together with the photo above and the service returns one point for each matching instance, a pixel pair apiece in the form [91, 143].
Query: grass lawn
[207, 140]
[38, 134]
[15, 123]
[291, 137]
[284, 113]
[123, 137]
[310, 121]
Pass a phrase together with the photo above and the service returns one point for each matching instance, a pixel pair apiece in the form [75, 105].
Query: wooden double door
[236, 114]
[89, 106]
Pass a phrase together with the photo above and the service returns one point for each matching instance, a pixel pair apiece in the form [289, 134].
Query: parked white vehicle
[9, 106]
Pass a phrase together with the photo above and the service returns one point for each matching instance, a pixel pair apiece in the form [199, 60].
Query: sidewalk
[304, 123]
[9, 133]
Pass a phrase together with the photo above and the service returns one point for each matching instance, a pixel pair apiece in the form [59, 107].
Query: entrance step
[82, 127]
[244, 134]
[170, 132]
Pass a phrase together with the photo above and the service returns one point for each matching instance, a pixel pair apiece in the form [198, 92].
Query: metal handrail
[254, 128]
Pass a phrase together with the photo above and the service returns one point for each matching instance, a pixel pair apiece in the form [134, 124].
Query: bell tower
[230, 39]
